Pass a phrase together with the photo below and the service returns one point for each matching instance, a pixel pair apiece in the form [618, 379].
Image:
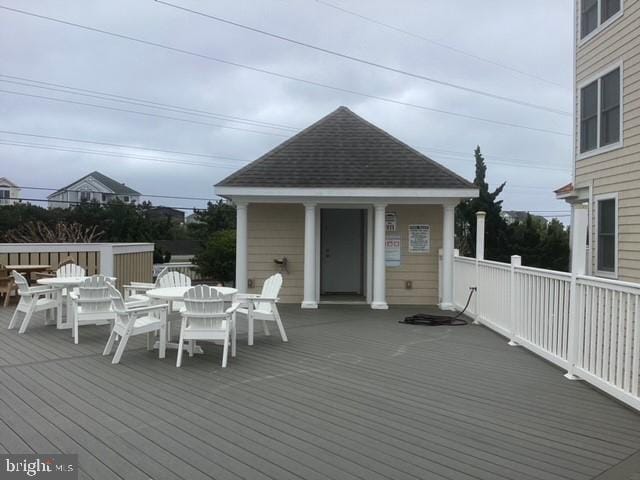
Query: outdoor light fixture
[283, 262]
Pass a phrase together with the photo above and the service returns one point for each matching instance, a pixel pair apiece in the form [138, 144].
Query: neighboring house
[163, 213]
[192, 218]
[359, 216]
[9, 192]
[92, 187]
[607, 139]
[512, 216]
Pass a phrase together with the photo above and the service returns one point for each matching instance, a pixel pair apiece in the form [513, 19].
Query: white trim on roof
[354, 193]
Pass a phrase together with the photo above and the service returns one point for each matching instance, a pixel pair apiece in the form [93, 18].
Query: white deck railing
[586, 325]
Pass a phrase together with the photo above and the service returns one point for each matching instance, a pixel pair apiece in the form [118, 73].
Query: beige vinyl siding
[420, 268]
[276, 231]
[90, 261]
[616, 171]
[133, 267]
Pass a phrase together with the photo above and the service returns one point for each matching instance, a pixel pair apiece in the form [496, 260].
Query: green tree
[216, 217]
[496, 242]
[218, 259]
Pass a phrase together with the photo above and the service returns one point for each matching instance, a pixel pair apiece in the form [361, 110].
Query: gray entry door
[342, 248]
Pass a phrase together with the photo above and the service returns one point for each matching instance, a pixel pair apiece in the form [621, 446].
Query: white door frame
[368, 252]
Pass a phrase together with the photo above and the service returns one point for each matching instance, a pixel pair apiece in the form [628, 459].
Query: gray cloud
[532, 36]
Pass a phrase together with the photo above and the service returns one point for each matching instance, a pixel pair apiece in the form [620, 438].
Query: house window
[125, 198]
[594, 13]
[607, 233]
[85, 196]
[610, 108]
[4, 197]
[608, 8]
[600, 112]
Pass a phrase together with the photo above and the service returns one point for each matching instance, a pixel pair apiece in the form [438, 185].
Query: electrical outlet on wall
[408, 284]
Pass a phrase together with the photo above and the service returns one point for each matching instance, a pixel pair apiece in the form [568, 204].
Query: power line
[173, 197]
[498, 162]
[147, 114]
[447, 155]
[369, 62]
[73, 203]
[66, 139]
[441, 44]
[140, 102]
[470, 152]
[110, 154]
[284, 76]
[462, 158]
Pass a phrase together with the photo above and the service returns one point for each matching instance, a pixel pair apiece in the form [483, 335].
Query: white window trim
[598, 198]
[601, 26]
[592, 78]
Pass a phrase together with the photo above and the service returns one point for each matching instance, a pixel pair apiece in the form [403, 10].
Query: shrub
[217, 260]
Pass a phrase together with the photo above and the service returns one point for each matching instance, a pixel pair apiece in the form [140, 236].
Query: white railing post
[480, 218]
[516, 261]
[106, 259]
[578, 254]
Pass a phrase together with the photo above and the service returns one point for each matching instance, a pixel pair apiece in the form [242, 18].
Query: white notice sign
[419, 238]
[392, 251]
[390, 221]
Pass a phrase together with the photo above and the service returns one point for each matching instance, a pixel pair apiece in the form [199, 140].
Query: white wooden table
[176, 294]
[61, 283]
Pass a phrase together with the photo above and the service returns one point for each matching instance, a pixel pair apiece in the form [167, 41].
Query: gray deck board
[353, 395]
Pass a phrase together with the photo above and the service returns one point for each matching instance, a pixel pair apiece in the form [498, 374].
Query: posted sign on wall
[392, 251]
[390, 221]
[419, 238]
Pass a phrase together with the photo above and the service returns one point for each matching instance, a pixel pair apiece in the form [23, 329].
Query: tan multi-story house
[607, 134]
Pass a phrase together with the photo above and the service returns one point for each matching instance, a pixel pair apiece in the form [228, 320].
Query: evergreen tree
[496, 244]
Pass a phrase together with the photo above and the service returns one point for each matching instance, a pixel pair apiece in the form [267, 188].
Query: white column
[447, 257]
[241, 247]
[379, 273]
[480, 216]
[309, 300]
[578, 264]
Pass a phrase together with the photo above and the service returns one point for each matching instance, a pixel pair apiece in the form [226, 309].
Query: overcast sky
[531, 37]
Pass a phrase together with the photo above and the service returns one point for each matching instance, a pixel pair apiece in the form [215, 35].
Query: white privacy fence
[586, 325]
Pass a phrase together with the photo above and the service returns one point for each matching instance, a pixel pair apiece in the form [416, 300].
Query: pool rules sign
[419, 238]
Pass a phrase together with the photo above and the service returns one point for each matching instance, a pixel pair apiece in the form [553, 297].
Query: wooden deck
[353, 395]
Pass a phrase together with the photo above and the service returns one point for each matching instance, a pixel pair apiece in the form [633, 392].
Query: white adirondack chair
[91, 304]
[32, 300]
[71, 270]
[166, 278]
[130, 321]
[263, 307]
[135, 291]
[173, 279]
[205, 318]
